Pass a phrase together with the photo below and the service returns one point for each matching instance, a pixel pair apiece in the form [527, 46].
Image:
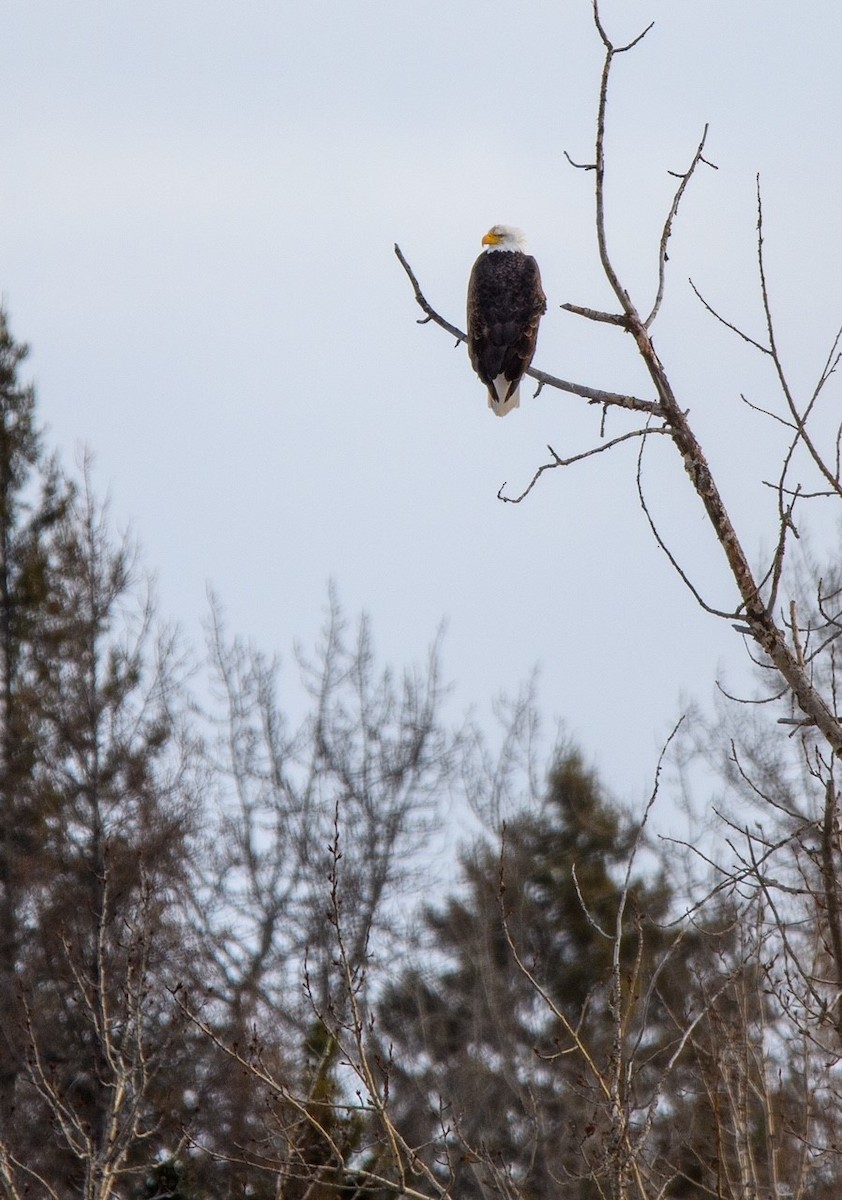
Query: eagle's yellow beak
[491, 239]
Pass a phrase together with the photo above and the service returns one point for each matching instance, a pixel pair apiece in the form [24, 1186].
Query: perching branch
[592, 395]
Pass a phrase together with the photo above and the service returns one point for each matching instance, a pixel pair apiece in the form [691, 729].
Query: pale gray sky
[198, 201]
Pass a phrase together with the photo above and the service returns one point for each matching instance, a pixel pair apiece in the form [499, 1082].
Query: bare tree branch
[667, 230]
[728, 325]
[566, 462]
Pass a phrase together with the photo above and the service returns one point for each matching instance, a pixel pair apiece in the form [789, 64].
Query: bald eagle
[505, 305]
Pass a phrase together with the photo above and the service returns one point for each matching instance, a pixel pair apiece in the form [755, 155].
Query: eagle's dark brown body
[505, 305]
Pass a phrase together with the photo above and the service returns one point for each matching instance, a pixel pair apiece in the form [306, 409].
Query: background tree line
[213, 983]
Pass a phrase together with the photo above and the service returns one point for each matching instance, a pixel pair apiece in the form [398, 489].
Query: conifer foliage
[33, 500]
[481, 1052]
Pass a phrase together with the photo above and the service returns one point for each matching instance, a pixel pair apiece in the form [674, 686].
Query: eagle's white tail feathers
[497, 391]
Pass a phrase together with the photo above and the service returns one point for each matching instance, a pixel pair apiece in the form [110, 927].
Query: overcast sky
[198, 203]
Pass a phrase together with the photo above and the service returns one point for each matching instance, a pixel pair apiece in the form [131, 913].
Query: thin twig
[667, 230]
[799, 418]
[594, 314]
[766, 412]
[728, 325]
[716, 612]
[566, 462]
[579, 166]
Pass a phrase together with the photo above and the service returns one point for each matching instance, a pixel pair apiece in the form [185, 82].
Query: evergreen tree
[32, 500]
[487, 1072]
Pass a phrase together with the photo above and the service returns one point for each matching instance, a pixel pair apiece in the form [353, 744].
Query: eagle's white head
[504, 237]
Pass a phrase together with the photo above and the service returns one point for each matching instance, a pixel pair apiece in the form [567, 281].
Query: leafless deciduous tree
[370, 763]
[318, 835]
[98, 1101]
